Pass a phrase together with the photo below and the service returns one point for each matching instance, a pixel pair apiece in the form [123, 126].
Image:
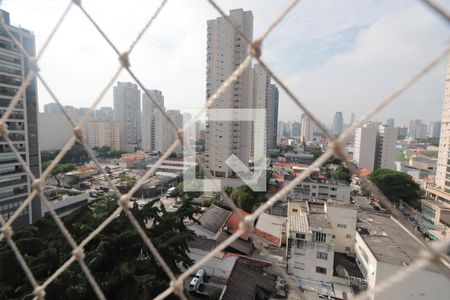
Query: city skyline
[320, 64]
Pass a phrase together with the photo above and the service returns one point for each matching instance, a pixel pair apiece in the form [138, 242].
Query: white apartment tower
[127, 111]
[226, 49]
[171, 133]
[15, 185]
[307, 130]
[444, 141]
[261, 85]
[153, 122]
[374, 146]
[338, 123]
[104, 132]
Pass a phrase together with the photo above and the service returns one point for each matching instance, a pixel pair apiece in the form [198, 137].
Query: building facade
[226, 49]
[272, 121]
[55, 130]
[104, 133]
[338, 123]
[127, 111]
[307, 130]
[153, 122]
[22, 124]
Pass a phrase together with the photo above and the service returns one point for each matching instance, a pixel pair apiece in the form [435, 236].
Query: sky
[334, 55]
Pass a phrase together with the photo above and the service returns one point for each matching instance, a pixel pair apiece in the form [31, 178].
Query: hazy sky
[335, 55]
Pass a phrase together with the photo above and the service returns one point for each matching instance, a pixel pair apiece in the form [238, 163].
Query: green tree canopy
[245, 198]
[397, 186]
[117, 257]
[59, 170]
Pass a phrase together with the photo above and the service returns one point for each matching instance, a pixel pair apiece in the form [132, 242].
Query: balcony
[14, 181]
[14, 192]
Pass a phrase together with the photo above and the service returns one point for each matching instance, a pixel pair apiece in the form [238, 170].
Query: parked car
[198, 279]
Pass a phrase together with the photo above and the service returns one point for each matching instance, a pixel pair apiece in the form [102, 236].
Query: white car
[197, 280]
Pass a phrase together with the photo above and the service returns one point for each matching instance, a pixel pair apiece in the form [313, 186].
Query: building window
[301, 244]
[300, 236]
[320, 237]
[342, 225]
[348, 249]
[299, 265]
[321, 270]
[322, 255]
[348, 236]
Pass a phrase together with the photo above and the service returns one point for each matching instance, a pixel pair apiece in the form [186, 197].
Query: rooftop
[214, 218]
[269, 228]
[319, 221]
[248, 280]
[232, 224]
[202, 243]
[387, 240]
[298, 222]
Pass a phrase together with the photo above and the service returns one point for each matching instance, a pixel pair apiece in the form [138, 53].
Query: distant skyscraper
[307, 130]
[296, 129]
[434, 130]
[272, 121]
[104, 113]
[22, 125]
[280, 129]
[104, 132]
[375, 146]
[127, 111]
[390, 122]
[352, 119]
[417, 130]
[52, 108]
[226, 49]
[153, 122]
[338, 123]
[261, 82]
[170, 132]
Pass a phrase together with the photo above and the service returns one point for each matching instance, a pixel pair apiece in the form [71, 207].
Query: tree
[117, 257]
[344, 174]
[245, 198]
[316, 153]
[397, 186]
[228, 190]
[58, 171]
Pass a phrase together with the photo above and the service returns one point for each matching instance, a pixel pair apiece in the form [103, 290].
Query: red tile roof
[233, 221]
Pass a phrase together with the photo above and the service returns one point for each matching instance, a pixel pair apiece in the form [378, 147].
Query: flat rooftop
[319, 221]
[387, 240]
[298, 222]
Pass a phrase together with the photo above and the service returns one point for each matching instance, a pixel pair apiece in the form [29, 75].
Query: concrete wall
[54, 130]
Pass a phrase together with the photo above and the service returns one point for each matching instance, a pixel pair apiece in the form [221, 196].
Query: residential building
[364, 150]
[375, 146]
[226, 49]
[390, 122]
[22, 125]
[296, 129]
[51, 108]
[434, 130]
[272, 120]
[280, 129]
[442, 170]
[352, 119]
[300, 158]
[261, 82]
[127, 111]
[423, 163]
[171, 133]
[338, 123]
[417, 130]
[307, 130]
[104, 133]
[402, 132]
[55, 129]
[153, 122]
[385, 147]
[287, 130]
[310, 190]
[314, 232]
[104, 113]
[383, 248]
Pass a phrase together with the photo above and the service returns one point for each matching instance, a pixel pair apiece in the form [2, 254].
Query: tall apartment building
[434, 130]
[55, 130]
[15, 186]
[104, 113]
[417, 130]
[444, 143]
[261, 98]
[280, 129]
[226, 49]
[170, 133]
[315, 232]
[390, 122]
[374, 146]
[272, 120]
[51, 108]
[307, 130]
[127, 111]
[338, 123]
[153, 122]
[105, 132]
[296, 129]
